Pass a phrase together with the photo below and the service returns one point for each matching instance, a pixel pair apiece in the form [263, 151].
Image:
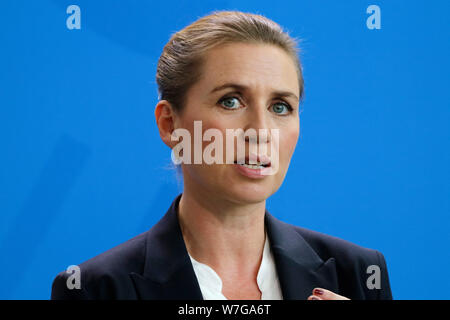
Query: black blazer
[156, 265]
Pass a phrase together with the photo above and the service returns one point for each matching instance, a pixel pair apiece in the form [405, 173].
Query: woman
[230, 70]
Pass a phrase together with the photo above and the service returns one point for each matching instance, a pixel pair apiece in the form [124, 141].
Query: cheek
[197, 137]
[218, 122]
[288, 142]
[208, 121]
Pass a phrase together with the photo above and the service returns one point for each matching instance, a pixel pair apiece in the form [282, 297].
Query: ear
[165, 120]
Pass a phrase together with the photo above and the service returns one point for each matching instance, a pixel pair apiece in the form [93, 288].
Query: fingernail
[319, 292]
[314, 298]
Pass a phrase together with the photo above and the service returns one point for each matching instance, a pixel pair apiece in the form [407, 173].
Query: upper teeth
[252, 166]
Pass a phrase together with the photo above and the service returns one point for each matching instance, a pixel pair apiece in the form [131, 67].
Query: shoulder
[328, 246]
[106, 274]
[354, 264]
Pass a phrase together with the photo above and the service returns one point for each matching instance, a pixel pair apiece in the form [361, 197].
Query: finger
[313, 297]
[325, 294]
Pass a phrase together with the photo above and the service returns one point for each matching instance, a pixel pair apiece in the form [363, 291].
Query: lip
[253, 173]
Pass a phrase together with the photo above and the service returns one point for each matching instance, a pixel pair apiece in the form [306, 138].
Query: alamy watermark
[74, 20]
[74, 280]
[374, 280]
[374, 20]
[223, 150]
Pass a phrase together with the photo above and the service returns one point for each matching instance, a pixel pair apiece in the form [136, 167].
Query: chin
[247, 193]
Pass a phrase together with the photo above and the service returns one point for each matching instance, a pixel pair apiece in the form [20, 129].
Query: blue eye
[281, 108]
[230, 103]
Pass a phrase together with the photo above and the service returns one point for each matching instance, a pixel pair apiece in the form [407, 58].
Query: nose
[258, 119]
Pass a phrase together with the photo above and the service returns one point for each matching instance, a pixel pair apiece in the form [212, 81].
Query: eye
[230, 103]
[281, 108]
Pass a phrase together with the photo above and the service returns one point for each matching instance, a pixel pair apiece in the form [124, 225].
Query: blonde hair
[179, 65]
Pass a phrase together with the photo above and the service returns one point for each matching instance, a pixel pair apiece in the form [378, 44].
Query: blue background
[82, 167]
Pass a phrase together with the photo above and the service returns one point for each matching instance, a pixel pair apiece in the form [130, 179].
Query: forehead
[254, 65]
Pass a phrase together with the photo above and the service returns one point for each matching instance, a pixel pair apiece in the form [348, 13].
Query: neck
[227, 236]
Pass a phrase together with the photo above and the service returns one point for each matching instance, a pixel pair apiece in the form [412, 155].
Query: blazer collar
[168, 273]
[299, 267]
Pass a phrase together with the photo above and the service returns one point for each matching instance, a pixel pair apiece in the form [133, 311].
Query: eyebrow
[243, 88]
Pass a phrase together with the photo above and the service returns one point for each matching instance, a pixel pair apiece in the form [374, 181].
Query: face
[263, 95]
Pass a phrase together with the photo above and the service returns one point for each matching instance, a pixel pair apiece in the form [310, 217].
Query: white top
[267, 278]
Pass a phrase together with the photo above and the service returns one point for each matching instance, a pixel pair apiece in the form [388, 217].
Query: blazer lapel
[299, 267]
[168, 272]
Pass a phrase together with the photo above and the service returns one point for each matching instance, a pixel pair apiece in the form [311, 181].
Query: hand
[323, 294]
